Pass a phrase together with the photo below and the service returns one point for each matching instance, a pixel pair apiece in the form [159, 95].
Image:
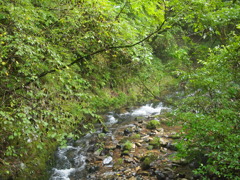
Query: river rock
[129, 160]
[132, 178]
[160, 175]
[161, 130]
[127, 132]
[91, 149]
[164, 141]
[144, 173]
[104, 152]
[107, 160]
[92, 168]
[146, 138]
[133, 148]
[171, 147]
[110, 146]
[138, 144]
[99, 158]
[152, 133]
[181, 161]
[181, 175]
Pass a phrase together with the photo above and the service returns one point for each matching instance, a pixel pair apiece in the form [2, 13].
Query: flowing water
[71, 160]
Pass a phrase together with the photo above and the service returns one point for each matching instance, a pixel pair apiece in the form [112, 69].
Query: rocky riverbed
[139, 145]
[136, 150]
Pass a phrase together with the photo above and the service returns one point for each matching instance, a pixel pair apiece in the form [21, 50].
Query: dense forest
[63, 62]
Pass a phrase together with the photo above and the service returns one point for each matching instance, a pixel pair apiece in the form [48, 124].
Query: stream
[82, 159]
[71, 161]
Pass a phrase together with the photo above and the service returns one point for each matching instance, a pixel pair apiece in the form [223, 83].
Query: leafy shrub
[210, 113]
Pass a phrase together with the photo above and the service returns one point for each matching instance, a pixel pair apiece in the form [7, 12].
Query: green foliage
[127, 146]
[211, 112]
[44, 98]
[153, 124]
[63, 62]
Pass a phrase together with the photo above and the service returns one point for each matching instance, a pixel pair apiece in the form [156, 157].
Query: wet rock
[91, 149]
[137, 130]
[155, 164]
[180, 162]
[144, 173]
[92, 168]
[70, 154]
[91, 176]
[133, 147]
[163, 150]
[104, 152]
[152, 133]
[161, 130]
[127, 132]
[138, 144]
[164, 141]
[181, 175]
[147, 161]
[146, 138]
[166, 169]
[140, 119]
[107, 160]
[97, 153]
[132, 178]
[194, 165]
[110, 147]
[171, 147]
[160, 175]
[125, 153]
[99, 158]
[129, 160]
[137, 168]
[90, 159]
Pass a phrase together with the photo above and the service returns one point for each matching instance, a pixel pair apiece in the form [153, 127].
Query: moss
[124, 140]
[153, 124]
[127, 146]
[119, 161]
[150, 147]
[155, 142]
[147, 160]
[135, 136]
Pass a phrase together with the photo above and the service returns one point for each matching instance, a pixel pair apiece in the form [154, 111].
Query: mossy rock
[155, 143]
[153, 124]
[147, 160]
[135, 136]
[150, 147]
[119, 161]
[127, 146]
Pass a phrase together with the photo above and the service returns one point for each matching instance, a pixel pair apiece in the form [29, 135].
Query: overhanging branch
[79, 59]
